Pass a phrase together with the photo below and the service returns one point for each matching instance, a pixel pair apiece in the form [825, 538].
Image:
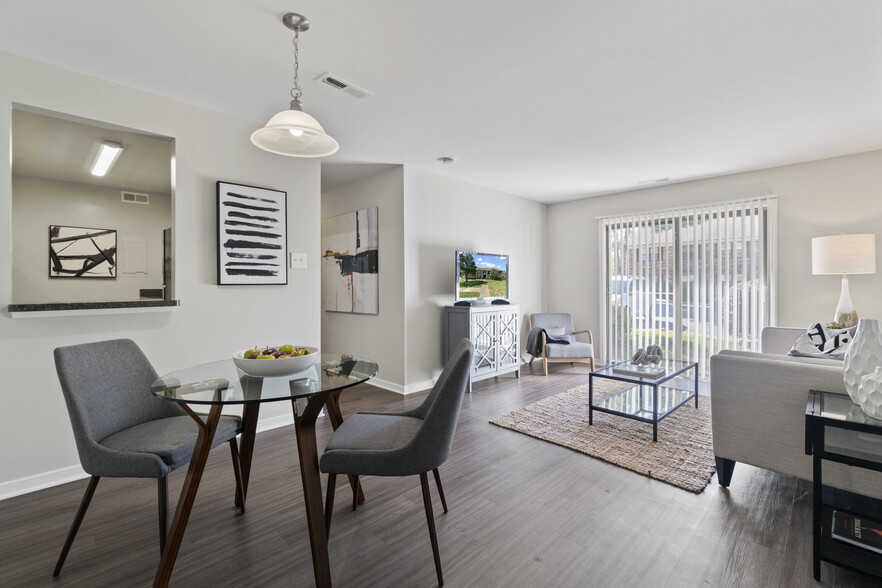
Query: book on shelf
[856, 530]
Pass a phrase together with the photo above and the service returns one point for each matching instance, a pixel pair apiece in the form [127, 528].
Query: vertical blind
[692, 280]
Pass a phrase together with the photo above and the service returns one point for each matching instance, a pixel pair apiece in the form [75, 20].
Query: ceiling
[63, 149]
[580, 98]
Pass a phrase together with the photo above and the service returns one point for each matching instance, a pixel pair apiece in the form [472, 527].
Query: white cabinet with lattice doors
[493, 329]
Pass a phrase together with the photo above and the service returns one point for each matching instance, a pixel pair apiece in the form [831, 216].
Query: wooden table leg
[207, 430]
[336, 416]
[250, 412]
[307, 451]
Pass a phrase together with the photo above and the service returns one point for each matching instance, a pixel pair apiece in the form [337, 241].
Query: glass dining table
[220, 384]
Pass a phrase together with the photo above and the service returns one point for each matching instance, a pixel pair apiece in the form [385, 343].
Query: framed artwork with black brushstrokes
[252, 240]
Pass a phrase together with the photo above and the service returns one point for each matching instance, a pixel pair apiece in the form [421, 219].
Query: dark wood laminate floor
[522, 513]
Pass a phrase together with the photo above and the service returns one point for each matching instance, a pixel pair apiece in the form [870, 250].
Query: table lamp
[844, 254]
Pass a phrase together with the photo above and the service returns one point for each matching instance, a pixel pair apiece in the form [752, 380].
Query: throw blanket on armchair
[534, 339]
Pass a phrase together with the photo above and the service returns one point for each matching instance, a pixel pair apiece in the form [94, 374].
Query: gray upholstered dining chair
[558, 326]
[121, 429]
[402, 444]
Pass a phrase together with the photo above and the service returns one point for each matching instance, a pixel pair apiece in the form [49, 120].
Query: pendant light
[293, 132]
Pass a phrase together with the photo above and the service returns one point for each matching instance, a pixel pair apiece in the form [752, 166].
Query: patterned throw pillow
[820, 341]
[557, 335]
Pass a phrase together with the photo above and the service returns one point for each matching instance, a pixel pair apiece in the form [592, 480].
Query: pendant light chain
[296, 92]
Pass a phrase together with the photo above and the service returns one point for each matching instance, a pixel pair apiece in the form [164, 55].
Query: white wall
[827, 197]
[443, 215]
[212, 321]
[38, 203]
[375, 336]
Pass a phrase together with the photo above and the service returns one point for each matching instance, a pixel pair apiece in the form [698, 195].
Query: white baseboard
[41, 481]
[283, 420]
[399, 389]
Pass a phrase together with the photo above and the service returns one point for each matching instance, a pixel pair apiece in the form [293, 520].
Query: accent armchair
[553, 339]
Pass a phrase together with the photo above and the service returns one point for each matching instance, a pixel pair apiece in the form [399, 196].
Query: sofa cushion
[575, 349]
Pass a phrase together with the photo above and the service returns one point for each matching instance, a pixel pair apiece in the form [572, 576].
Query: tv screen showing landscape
[481, 276]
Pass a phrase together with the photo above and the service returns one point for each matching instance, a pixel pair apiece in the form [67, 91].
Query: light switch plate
[298, 260]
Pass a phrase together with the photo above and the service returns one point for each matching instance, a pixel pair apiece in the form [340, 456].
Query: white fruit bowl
[270, 368]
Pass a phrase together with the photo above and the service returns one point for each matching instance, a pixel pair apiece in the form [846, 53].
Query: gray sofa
[758, 405]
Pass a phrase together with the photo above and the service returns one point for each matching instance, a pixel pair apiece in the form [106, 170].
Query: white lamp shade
[296, 134]
[844, 254]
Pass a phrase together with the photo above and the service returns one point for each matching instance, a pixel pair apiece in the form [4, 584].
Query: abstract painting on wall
[252, 242]
[79, 252]
[349, 262]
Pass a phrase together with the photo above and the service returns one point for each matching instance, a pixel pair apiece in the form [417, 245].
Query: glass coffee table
[648, 400]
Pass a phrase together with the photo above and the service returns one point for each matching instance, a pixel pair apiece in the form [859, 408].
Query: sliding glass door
[692, 281]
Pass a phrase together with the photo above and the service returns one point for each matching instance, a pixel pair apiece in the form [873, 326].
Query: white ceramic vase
[870, 393]
[864, 355]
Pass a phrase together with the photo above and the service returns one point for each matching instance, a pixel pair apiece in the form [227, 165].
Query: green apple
[265, 356]
[287, 349]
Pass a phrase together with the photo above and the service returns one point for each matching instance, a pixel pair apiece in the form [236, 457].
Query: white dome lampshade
[295, 134]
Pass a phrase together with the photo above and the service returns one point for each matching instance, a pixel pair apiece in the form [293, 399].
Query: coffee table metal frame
[645, 414]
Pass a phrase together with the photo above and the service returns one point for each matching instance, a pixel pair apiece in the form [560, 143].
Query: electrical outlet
[298, 260]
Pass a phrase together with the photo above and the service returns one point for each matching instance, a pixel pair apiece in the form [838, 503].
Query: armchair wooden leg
[545, 365]
[430, 518]
[329, 501]
[78, 518]
[440, 489]
[162, 493]
[591, 361]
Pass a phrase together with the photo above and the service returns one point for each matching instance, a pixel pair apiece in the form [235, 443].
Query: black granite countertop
[62, 306]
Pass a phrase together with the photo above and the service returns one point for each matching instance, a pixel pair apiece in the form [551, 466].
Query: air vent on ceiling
[135, 198]
[343, 85]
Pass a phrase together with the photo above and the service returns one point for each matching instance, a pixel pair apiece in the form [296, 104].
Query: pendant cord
[296, 92]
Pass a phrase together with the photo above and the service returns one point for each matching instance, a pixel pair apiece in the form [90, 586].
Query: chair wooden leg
[592, 363]
[430, 518]
[329, 501]
[237, 472]
[545, 365]
[162, 494]
[355, 488]
[440, 489]
[78, 518]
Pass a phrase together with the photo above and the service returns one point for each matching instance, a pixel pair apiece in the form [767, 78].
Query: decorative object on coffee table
[863, 356]
[844, 254]
[870, 394]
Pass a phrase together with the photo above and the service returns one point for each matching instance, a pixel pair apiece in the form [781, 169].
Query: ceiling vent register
[344, 86]
[135, 197]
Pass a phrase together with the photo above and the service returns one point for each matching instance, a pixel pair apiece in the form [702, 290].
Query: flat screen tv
[481, 277]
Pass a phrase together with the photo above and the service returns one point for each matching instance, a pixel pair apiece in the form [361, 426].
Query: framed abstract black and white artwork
[80, 252]
[252, 240]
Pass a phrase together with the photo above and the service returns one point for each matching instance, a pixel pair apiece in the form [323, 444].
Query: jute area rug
[683, 455]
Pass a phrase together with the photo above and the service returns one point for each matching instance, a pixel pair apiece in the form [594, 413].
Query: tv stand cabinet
[494, 330]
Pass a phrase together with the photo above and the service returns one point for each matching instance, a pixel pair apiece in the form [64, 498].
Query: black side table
[836, 429]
